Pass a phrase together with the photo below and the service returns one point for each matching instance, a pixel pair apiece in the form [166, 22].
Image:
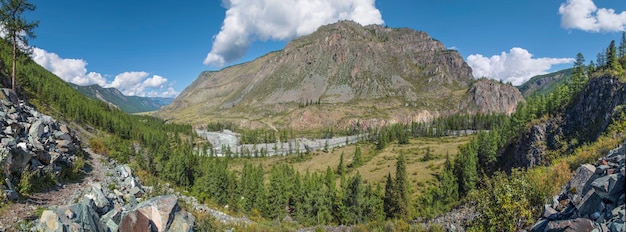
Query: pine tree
[353, 200]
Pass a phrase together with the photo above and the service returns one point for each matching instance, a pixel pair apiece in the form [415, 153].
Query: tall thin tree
[18, 30]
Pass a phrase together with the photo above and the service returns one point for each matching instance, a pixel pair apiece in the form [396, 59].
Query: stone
[589, 203]
[111, 220]
[136, 221]
[617, 227]
[601, 169]
[182, 222]
[87, 217]
[101, 202]
[19, 157]
[609, 187]
[159, 210]
[572, 225]
[59, 135]
[69, 213]
[10, 195]
[50, 221]
[540, 225]
[36, 130]
[65, 145]
[549, 212]
[135, 191]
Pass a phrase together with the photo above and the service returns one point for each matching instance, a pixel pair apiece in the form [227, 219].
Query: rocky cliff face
[598, 104]
[490, 97]
[348, 71]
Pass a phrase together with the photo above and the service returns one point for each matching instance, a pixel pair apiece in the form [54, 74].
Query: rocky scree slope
[31, 142]
[117, 203]
[601, 101]
[341, 73]
[592, 200]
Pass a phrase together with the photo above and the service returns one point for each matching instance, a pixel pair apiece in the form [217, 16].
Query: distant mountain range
[543, 84]
[129, 104]
[342, 74]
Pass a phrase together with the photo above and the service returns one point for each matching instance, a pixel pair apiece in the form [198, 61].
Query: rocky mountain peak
[353, 72]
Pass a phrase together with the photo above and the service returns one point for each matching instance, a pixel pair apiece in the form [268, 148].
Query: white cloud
[585, 15]
[516, 67]
[129, 83]
[70, 70]
[249, 20]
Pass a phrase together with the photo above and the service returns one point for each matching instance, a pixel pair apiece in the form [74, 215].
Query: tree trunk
[14, 63]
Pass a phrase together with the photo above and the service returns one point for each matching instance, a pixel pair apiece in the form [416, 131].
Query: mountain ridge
[414, 78]
[114, 97]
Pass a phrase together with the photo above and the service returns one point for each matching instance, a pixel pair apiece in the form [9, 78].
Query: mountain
[341, 74]
[543, 84]
[129, 104]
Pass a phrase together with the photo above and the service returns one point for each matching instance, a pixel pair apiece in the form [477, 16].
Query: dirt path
[26, 209]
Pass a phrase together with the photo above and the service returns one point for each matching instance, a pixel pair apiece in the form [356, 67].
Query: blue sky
[157, 48]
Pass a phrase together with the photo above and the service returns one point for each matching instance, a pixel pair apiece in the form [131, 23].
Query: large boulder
[157, 214]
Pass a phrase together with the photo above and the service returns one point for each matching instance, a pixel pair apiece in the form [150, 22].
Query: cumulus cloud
[586, 16]
[129, 83]
[516, 67]
[250, 20]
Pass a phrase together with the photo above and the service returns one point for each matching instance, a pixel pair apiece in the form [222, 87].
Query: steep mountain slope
[543, 84]
[602, 101]
[342, 73]
[129, 104]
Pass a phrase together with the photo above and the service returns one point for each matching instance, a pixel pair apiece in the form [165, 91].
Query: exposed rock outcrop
[592, 199]
[601, 101]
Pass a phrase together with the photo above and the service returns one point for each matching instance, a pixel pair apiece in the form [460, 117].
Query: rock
[540, 225]
[101, 202]
[135, 191]
[59, 135]
[87, 217]
[549, 212]
[581, 181]
[50, 221]
[10, 195]
[111, 220]
[36, 130]
[617, 227]
[136, 221]
[573, 225]
[157, 214]
[19, 157]
[589, 203]
[609, 187]
[182, 222]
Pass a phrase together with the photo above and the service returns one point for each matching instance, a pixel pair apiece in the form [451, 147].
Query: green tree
[612, 59]
[402, 190]
[622, 46]
[16, 27]
[389, 203]
[357, 160]
[341, 168]
[353, 199]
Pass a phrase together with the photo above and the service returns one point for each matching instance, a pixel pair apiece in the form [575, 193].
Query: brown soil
[26, 208]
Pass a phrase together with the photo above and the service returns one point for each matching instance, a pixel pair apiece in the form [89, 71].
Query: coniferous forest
[509, 198]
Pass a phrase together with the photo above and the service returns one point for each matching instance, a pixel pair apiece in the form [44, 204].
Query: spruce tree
[401, 192]
[341, 167]
[389, 204]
